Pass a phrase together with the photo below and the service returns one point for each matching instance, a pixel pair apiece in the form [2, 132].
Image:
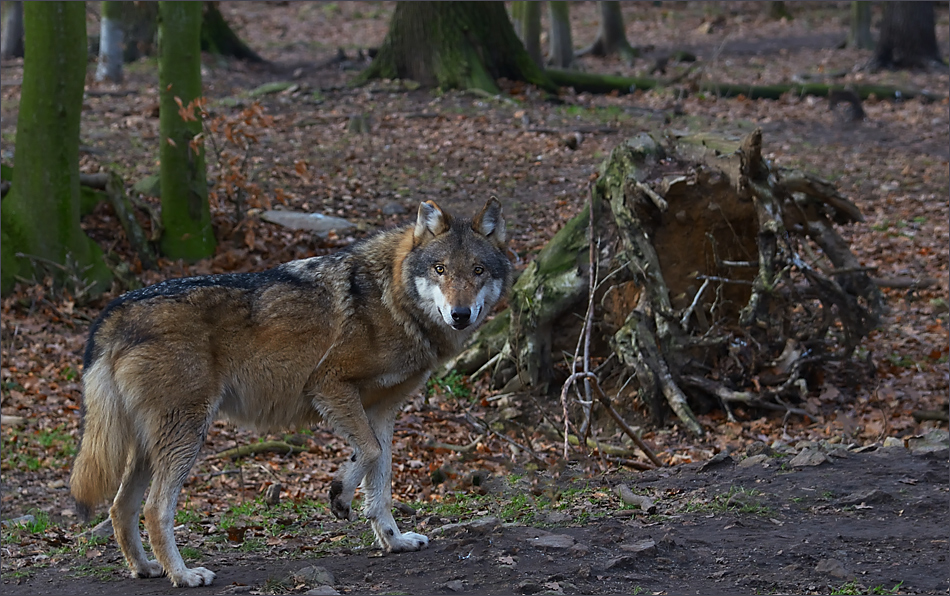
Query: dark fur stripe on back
[175, 288]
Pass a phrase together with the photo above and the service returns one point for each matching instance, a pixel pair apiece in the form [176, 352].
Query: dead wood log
[595, 83]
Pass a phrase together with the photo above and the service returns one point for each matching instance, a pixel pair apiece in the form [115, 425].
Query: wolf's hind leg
[175, 452]
[378, 488]
[125, 518]
[345, 413]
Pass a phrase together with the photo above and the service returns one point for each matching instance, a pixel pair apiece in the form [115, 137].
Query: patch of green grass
[882, 590]
[59, 439]
[854, 588]
[901, 361]
[104, 571]
[187, 516]
[190, 553]
[736, 500]
[454, 505]
[17, 574]
[455, 384]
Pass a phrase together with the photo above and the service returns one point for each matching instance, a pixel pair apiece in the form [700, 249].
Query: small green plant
[98, 571]
[187, 516]
[736, 499]
[39, 524]
[847, 589]
[454, 384]
[190, 553]
[900, 361]
[882, 590]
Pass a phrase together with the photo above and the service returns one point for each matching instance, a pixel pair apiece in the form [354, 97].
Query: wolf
[343, 338]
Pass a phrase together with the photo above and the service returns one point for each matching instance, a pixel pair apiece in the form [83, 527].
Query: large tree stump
[733, 282]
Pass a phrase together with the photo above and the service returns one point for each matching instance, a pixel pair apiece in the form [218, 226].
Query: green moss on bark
[454, 45]
[41, 213]
[185, 214]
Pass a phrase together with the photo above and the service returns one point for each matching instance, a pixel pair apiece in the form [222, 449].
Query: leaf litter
[456, 456]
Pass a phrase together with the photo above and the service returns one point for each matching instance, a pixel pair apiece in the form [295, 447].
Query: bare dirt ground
[866, 519]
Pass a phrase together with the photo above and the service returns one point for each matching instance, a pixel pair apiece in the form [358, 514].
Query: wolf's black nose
[461, 314]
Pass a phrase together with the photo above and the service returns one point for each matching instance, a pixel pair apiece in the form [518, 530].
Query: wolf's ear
[490, 223]
[431, 219]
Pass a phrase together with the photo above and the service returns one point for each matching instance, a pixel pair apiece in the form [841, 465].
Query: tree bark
[185, 213]
[859, 35]
[12, 44]
[111, 43]
[41, 213]
[526, 19]
[778, 10]
[464, 45]
[217, 37]
[611, 36]
[908, 38]
[561, 46]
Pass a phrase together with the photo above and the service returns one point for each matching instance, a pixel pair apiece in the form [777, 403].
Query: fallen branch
[456, 448]
[938, 415]
[115, 190]
[908, 283]
[262, 447]
[745, 397]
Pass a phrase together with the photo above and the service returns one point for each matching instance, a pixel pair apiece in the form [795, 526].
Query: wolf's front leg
[378, 488]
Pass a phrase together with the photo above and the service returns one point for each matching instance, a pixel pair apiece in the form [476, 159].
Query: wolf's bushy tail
[107, 440]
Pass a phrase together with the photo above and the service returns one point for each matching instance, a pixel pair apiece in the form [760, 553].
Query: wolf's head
[458, 267]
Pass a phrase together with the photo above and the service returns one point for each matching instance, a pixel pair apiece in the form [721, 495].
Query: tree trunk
[217, 37]
[464, 45]
[185, 214]
[12, 44]
[908, 38]
[140, 26]
[526, 19]
[859, 36]
[561, 46]
[41, 213]
[611, 36]
[778, 11]
[111, 43]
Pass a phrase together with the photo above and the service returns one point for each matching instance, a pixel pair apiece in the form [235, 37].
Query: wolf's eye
[479, 270]
[440, 269]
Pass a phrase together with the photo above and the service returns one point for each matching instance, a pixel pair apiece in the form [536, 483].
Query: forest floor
[865, 519]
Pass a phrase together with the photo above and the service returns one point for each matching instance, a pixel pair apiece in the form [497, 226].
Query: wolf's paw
[149, 569]
[338, 505]
[406, 542]
[192, 578]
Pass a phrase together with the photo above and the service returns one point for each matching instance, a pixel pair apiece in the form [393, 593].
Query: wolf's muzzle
[461, 317]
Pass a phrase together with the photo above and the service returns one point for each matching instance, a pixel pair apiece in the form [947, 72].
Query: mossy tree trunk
[859, 35]
[463, 45]
[778, 10]
[561, 46]
[908, 38]
[185, 214]
[217, 37]
[41, 213]
[611, 37]
[526, 19]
